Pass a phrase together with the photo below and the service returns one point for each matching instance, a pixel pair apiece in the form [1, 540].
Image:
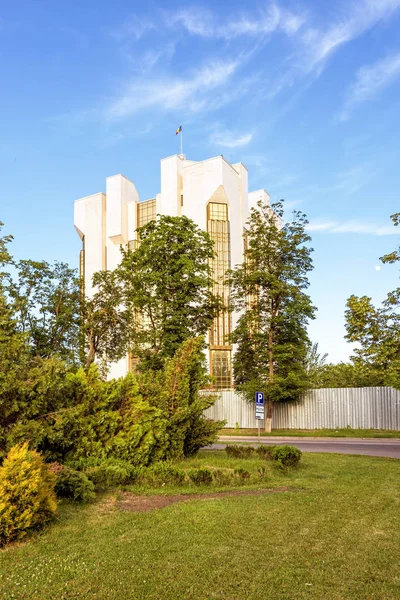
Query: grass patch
[339, 433]
[339, 538]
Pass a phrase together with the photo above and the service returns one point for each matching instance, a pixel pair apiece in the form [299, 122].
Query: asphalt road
[389, 448]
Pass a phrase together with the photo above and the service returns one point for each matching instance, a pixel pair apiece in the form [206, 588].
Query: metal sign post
[260, 409]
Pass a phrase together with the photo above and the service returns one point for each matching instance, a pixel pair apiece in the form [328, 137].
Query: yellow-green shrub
[27, 497]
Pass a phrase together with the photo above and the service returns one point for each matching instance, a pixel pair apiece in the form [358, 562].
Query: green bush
[107, 473]
[72, 484]
[201, 432]
[162, 473]
[283, 456]
[222, 477]
[143, 418]
[27, 497]
[236, 451]
[286, 456]
[242, 475]
[200, 476]
[106, 477]
[265, 451]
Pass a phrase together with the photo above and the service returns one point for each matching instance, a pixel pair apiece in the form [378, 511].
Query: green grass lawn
[336, 535]
[341, 433]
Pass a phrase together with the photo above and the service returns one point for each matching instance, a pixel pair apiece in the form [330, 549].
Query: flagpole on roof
[181, 140]
[179, 131]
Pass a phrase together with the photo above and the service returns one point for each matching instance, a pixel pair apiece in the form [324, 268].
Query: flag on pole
[178, 130]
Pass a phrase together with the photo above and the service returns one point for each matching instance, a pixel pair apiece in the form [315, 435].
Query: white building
[213, 193]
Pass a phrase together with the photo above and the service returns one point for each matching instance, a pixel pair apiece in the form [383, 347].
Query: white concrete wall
[171, 185]
[107, 221]
[90, 220]
[121, 203]
[254, 197]
[121, 223]
[244, 191]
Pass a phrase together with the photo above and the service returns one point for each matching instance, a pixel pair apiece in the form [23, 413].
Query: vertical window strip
[220, 357]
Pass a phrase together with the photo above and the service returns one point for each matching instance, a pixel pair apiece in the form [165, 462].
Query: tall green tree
[269, 288]
[107, 324]
[376, 329]
[46, 302]
[168, 287]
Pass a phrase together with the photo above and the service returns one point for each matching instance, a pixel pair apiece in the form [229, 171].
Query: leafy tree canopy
[107, 323]
[269, 288]
[167, 284]
[376, 329]
[343, 375]
[46, 302]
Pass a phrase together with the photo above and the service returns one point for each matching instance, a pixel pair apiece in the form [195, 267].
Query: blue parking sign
[260, 398]
[259, 406]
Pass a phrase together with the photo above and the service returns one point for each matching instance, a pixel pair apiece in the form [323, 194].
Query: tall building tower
[213, 193]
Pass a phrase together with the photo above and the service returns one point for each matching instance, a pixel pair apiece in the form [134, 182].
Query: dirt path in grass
[135, 503]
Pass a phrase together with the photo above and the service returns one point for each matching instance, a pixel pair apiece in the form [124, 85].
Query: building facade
[213, 193]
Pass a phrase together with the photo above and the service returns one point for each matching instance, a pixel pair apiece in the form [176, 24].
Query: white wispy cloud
[313, 44]
[134, 28]
[359, 17]
[230, 139]
[351, 227]
[170, 93]
[145, 62]
[203, 23]
[370, 80]
[349, 181]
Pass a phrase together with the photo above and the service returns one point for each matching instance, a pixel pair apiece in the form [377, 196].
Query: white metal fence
[359, 408]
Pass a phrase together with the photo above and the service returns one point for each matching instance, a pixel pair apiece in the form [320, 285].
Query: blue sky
[306, 94]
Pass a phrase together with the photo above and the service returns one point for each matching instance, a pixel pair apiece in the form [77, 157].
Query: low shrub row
[220, 477]
[284, 456]
[109, 475]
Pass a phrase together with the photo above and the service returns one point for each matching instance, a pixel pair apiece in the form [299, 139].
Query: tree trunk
[268, 420]
[91, 354]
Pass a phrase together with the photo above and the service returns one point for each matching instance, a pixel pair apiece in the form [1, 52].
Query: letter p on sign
[260, 398]
[259, 405]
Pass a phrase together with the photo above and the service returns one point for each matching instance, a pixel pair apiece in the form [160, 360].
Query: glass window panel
[146, 212]
[221, 368]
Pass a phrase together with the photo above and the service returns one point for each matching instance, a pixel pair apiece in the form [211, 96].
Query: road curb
[263, 439]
